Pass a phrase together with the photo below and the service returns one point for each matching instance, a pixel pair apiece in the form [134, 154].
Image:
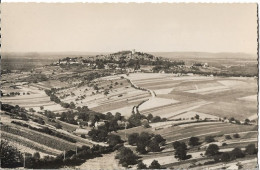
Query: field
[107, 161]
[212, 96]
[121, 96]
[194, 106]
[248, 134]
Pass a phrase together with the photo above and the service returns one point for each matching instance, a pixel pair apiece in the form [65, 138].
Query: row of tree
[146, 142]
[12, 158]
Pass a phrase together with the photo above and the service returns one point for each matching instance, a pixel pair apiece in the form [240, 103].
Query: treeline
[12, 158]
[142, 59]
[146, 142]
[228, 73]
[46, 130]
[212, 151]
[15, 112]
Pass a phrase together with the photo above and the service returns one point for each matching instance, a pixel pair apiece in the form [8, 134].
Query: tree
[72, 105]
[133, 138]
[236, 135]
[10, 156]
[225, 157]
[247, 121]
[154, 146]
[231, 119]
[126, 156]
[31, 110]
[113, 125]
[155, 165]
[180, 150]
[142, 142]
[176, 144]
[197, 117]
[149, 117]
[113, 140]
[212, 150]
[228, 137]
[209, 139]
[141, 165]
[180, 153]
[36, 156]
[57, 125]
[83, 136]
[118, 116]
[99, 135]
[109, 116]
[156, 119]
[236, 153]
[251, 149]
[41, 107]
[194, 141]
[159, 139]
[146, 124]
[135, 120]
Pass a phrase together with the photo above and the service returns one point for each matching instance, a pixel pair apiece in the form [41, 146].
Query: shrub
[155, 165]
[236, 153]
[251, 149]
[10, 156]
[228, 137]
[156, 119]
[141, 165]
[236, 135]
[180, 150]
[132, 138]
[126, 157]
[113, 140]
[209, 139]
[212, 150]
[224, 144]
[194, 141]
[225, 157]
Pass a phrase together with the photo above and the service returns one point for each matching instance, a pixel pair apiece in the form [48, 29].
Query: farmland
[216, 96]
[54, 109]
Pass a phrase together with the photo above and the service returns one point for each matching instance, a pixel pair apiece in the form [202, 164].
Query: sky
[165, 27]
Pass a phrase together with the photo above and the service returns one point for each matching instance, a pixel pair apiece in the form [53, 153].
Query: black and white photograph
[115, 86]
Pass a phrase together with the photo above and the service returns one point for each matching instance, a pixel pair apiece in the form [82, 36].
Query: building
[133, 51]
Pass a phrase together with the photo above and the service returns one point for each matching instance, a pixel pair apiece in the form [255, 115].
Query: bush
[251, 149]
[83, 136]
[228, 137]
[10, 156]
[154, 146]
[212, 150]
[126, 157]
[224, 144]
[146, 125]
[194, 141]
[132, 138]
[113, 140]
[141, 165]
[209, 139]
[156, 119]
[236, 153]
[236, 135]
[180, 150]
[155, 165]
[225, 157]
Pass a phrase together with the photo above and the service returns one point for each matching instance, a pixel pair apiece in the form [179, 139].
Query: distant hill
[204, 55]
[170, 55]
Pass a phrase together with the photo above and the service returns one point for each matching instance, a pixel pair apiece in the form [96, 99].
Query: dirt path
[107, 161]
[233, 164]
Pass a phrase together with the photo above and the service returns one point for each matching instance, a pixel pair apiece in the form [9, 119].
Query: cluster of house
[84, 129]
